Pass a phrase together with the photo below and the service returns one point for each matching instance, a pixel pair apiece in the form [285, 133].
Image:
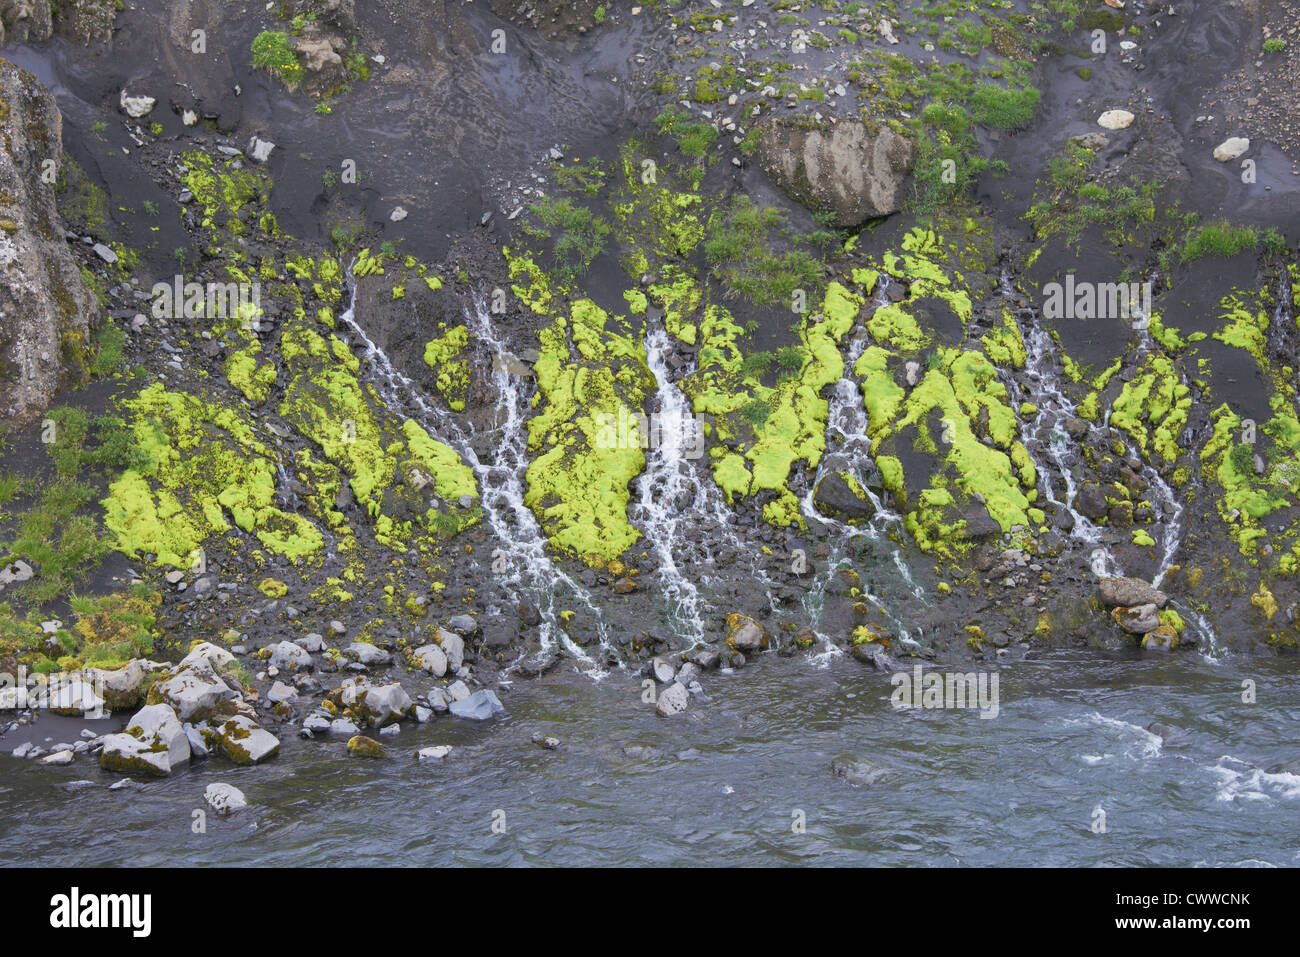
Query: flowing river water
[724, 781]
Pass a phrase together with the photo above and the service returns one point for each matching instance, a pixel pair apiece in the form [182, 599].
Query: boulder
[1127, 592]
[1162, 638]
[359, 746]
[1090, 501]
[673, 699]
[369, 654]
[195, 686]
[153, 743]
[435, 753]
[245, 742]
[121, 687]
[319, 53]
[1231, 148]
[835, 496]
[1115, 120]
[431, 658]
[45, 304]
[479, 706]
[745, 634]
[453, 646]
[289, 656]
[463, 624]
[385, 704]
[855, 173]
[224, 798]
[1137, 620]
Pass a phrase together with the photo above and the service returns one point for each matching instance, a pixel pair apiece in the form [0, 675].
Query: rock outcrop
[31, 21]
[45, 307]
[855, 173]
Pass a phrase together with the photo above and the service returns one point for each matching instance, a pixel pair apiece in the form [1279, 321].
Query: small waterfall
[1055, 408]
[1048, 428]
[284, 489]
[848, 449]
[529, 570]
[671, 497]
[680, 508]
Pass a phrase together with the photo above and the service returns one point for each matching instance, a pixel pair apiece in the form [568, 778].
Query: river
[725, 781]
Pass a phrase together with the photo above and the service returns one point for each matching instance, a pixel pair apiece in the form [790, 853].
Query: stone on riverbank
[153, 743]
[1128, 592]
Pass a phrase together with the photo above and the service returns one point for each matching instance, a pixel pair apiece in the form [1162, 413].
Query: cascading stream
[1054, 409]
[671, 498]
[848, 449]
[528, 569]
[679, 507]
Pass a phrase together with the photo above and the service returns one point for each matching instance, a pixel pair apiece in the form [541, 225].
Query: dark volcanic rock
[43, 298]
[844, 168]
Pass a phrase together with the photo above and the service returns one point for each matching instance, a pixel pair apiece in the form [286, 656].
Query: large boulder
[1127, 592]
[479, 706]
[845, 168]
[45, 307]
[745, 634]
[245, 742]
[1138, 620]
[122, 687]
[153, 743]
[838, 494]
[384, 704]
[196, 685]
[31, 21]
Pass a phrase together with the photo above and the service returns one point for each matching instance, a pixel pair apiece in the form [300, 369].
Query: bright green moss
[442, 355]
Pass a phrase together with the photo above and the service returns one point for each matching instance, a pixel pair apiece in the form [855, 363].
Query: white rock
[245, 742]
[385, 704]
[154, 742]
[369, 654]
[312, 642]
[436, 753]
[259, 150]
[431, 658]
[672, 700]
[58, 758]
[453, 645]
[1231, 148]
[289, 656]
[224, 798]
[136, 106]
[398, 214]
[1115, 120]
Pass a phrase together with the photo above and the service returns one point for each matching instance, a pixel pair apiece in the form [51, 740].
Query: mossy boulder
[359, 746]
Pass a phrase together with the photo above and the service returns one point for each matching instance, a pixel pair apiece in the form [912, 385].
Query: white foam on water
[1239, 780]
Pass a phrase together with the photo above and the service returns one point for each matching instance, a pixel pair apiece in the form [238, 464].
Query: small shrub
[1219, 238]
[272, 52]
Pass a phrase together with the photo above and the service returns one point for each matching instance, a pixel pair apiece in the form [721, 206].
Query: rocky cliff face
[45, 307]
[31, 21]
